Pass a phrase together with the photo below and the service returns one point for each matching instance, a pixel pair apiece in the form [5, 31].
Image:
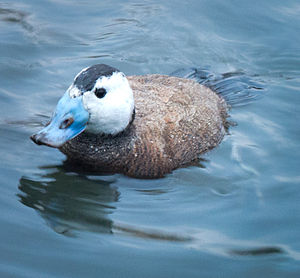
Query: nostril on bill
[66, 123]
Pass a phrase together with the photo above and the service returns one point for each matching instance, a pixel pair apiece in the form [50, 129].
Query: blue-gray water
[235, 215]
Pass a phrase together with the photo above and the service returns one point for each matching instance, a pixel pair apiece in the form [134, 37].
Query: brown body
[176, 120]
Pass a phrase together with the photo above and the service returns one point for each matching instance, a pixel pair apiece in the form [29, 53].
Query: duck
[142, 126]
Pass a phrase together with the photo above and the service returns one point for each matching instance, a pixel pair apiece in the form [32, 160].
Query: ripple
[150, 233]
[259, 251]
[15, 16]
[217, 243]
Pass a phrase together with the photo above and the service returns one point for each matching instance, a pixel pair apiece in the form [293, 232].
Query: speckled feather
[176, 120]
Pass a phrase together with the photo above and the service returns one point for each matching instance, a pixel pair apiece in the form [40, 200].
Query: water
[234, 215]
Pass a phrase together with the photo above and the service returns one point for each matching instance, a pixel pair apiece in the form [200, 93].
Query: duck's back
[175, 121]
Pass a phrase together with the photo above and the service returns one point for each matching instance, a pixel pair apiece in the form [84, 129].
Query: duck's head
[99, 101]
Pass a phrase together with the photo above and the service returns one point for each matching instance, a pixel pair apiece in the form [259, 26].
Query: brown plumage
[176, 120]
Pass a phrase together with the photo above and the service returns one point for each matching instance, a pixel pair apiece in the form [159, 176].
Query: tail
[236, 87]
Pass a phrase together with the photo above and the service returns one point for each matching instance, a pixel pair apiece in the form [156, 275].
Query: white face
[111, 113]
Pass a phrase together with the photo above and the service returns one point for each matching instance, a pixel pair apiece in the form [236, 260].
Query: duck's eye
[100, 92]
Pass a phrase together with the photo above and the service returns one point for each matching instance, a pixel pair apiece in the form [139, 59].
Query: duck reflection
[69, 201]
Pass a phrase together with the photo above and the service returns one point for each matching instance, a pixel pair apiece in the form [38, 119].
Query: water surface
[236, 214]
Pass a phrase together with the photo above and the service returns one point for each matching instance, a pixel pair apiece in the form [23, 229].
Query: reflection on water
[70, 202]
[10, 15]
[258, 251]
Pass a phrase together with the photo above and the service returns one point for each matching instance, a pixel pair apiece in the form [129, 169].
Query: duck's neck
[112, 134]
